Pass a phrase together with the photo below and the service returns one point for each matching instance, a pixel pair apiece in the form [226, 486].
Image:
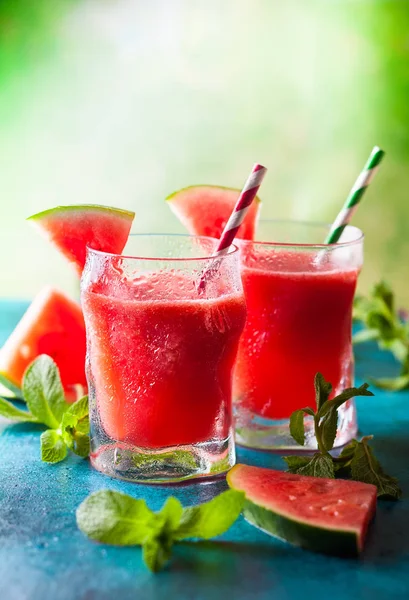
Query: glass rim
[233, 249]
[311, 246]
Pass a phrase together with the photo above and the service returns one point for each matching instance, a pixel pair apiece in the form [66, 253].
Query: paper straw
[247, 195]
[355, 195]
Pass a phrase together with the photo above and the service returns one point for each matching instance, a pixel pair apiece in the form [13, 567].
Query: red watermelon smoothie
[160, 359]
[299, 300]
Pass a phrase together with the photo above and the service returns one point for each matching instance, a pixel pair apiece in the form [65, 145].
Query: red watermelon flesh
[205, 210]
[53, 324]
[324, 515]
[72, 228]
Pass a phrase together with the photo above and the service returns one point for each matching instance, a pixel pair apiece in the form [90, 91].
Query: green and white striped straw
[355, 195]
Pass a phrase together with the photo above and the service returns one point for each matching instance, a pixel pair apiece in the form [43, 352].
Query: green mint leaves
[326, 417]
[43, 392]
[114, 518]
[382, 323]
[364, 466]
[357, 460]
[53, 448]
[68, 425]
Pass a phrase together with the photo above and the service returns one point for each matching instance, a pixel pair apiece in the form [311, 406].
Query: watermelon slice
[205, 210]
[72, 228]
[323, 515]
[53, 324]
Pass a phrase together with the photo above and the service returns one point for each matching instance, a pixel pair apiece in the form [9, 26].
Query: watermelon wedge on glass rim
[72, 228]
[331, 516]
[53, 324]
[205, 210]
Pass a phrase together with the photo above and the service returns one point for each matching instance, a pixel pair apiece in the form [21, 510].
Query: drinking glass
[299, 295]
[160, 355]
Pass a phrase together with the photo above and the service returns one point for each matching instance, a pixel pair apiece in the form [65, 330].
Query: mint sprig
[68, 424]
[115, 518]
[382, 322]
[357, 460]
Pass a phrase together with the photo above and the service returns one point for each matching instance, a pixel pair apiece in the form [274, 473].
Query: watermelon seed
[330, 510]
[292, 497]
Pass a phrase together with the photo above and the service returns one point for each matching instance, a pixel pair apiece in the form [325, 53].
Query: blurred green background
[121, 102]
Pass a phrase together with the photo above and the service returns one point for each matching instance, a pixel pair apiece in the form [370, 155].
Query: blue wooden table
[43, 556]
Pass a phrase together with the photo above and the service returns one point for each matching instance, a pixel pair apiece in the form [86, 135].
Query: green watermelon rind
[335, 542]
[59, 210]
[204, 186]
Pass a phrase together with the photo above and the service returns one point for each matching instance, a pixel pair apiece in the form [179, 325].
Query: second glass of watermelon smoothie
[299, 296]
[160, 356]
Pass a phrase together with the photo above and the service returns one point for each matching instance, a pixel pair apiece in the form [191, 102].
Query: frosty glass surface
[299, 295]
[160, 354]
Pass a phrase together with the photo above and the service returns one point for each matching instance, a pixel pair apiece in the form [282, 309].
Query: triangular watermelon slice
[72, 228]
[53, 324]
[323, 515]
[205, 210]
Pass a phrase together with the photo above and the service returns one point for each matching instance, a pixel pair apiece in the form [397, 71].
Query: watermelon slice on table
[323, 515]
[205, 210]
[53, 324]
[72, 228]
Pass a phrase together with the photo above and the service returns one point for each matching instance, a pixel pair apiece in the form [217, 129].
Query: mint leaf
[320, 465]
[171, 513]
[115, 518]
[43, 391]
[398, 347]
[79, 409]
[157, 548]
[297, 430]
[393, 384]
[366, 467]
[10, 386]
[343, 461]
[328, 428]
[80, 444]
[343, 397]
[296, 462]
[365, 335]
[322, 390]
[383, 291]
[53, 448]
[75, 427]
[211, 518]
[9, 411]
[156, 553]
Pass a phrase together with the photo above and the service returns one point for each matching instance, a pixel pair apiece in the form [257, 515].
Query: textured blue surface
[43, 555]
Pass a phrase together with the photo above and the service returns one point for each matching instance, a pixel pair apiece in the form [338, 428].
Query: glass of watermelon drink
[160, 357]
[299, 295]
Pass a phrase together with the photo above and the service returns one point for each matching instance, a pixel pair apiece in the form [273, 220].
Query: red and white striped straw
[247, 195]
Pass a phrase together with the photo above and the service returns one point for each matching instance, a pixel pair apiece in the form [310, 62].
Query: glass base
[257, 432]
[164, 465]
